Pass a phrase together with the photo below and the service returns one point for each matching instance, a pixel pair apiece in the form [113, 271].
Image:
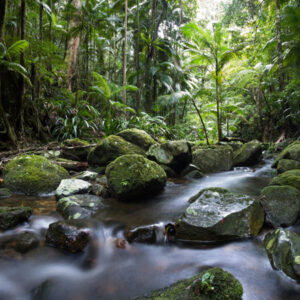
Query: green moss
[33, 174]
[291, 178]
[212, 189]
[286, 165]
[75, 142]
[248, 154]
[292, 151]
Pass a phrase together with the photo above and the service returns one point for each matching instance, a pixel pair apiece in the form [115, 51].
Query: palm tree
[210, 48]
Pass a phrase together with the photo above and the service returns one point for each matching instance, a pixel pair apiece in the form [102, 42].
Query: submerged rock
[248, 155]
[281, 205]
[70, 236]
[137, 137]
[5, 193]
[79, 206]
[286, 165]
[211, 284]
[292, 151]
[210, 160]
[174, 154]
[283, 249]
[33, 175]
[217, 214]
[134, 177]
[70, 187]
[13, 216]
[291, 178]
[111, 148]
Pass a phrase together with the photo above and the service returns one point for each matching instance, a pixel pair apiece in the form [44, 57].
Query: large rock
[249, 154]
[134, 177]
[174, 154]
[286, 165]
[217, 214]
[70, 236]
[283, 249]
[111, 148]
[281, 205]
[33, 175]
[79, 206]
[76, 149]
[211, 284]
[292, 151]
[291, 177]
[210, 160]
[13, 216]
[70, 187]
[137, 137]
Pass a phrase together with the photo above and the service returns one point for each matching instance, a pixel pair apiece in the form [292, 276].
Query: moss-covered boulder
[175, 154]
[33, 175]
[286, 165]
[79, 206]
[211, 284]
[75, 149]
[70, 187]
[210, 160]
[248, 155]
[134, 177]
[291, 177]
[5, 193]
[281, 205]
[13, 216]
[283, 249]
[292, 151]
[137, 137]
[71, 236]
[111, 148]
[218, 214]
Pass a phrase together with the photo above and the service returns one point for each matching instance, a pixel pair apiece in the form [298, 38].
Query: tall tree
[125, 52]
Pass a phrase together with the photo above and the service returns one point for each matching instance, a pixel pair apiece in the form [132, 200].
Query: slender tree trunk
[3, 4]
[125, 53]
[219, 125]
[41, 23]
[279, 46]
[73, 46]
[137, 59]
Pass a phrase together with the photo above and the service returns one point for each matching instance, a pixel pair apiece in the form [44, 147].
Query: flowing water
[104, 271]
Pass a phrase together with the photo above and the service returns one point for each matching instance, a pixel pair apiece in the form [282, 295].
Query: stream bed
[107, 272]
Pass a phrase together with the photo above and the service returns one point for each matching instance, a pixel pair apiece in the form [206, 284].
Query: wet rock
[5, 193]
[13, 216]
[33, 175]
[70, 187]
[286, 165]
[175, 154]
[248, 155]
[283, 249]
[145, 234]
[213, 159]
[291, 178]
[79, 206]
[211, 284]
[134, 177]
[281, 205]
[292, 151]
[87, 175]
[217, 214]
[111, 148]
[76, 149]
[192, 171]
[102, 180]
[169, 171]
[70, 236]
[137, 137]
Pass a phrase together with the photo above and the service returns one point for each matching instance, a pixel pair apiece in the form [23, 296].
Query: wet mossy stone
[137, 137]
[111, 148]
[70, 187]
[291, 178]
[70, 236]
[192, 171]
[175, 154]
[13, 216]
[292, 151]
[217, 214]
[249, 154]
[286, 165]
[283, 249]
[79, 206]
[143, 234]
[79, 149]
[210, 160]
[211, 284]
[281, 205]
[134, 177]
[33, 175]
[87, 175]
[5, 193]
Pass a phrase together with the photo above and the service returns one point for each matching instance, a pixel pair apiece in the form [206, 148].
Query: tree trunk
[137, 59]
[41, 23]
[279, 46]
[3, 4]
[125, 53]
[219, 125]
[73, 46]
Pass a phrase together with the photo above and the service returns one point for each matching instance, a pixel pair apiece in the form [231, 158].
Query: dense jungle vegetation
[177, 69]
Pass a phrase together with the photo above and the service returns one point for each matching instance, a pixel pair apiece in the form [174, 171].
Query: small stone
[13, 216]
[87, 175]
[70, 187]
